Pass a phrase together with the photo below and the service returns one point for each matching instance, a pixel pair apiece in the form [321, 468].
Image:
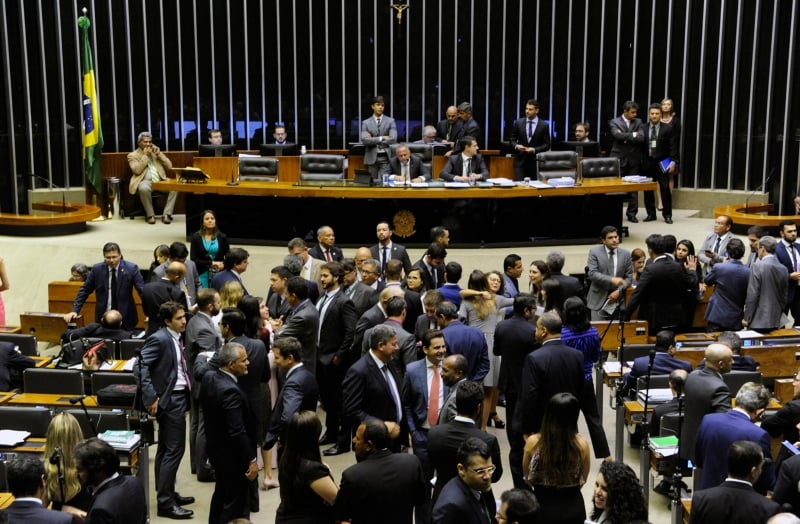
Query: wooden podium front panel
[220, 168]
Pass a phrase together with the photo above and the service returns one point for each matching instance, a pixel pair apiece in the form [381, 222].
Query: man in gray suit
[378, 132]
[766, 290]
[362, 295]
[303, 322]
[190, 284]
[610, 272]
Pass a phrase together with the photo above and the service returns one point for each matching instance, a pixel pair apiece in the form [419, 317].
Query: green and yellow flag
[92, 132]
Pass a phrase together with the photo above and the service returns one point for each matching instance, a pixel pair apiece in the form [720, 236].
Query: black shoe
[668, 220]
[650, 218]
[183, 501]
[206, 475]
[335, 450]
[327, 439]
[663, 488]
[175, 512]
[632, 218]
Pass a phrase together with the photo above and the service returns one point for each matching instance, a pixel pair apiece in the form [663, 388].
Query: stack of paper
[664, 446]
[564, 181]
[655, 396]
[120, 440]
[11, 437]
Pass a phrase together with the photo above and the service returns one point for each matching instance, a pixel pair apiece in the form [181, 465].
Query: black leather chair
[322, 167]
[102, 419]
[604, 167]
[26, 418]
[423, 151]
[101, 379]
[26, 343]
[736, 379]
[64, 381]
[634, 351]
[656, 382]
[259, 169]
[557, 164]
[129, 347]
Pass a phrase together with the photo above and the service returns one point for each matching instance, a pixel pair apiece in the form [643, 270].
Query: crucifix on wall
[400, 7]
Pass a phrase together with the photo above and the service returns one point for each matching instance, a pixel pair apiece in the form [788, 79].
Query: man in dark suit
[628, 134]
[386, 249]
[164, 289]
[277, 304]
[735, 501]
[788, 253]
[236, 262]
[767, 290]
[337, 322]
[664, 361]
[371, 387]
[514, 339]
[726, 306]
[448, 129]
[705, 392]
[467, 498]
[112, 282]
[378, 132]
[529, 137]
[786, 486]
[445, 439]
[431, 266]
[117, 499]
[372, 317]
[299, 392]
[405, 167]
[303, 322]
[25, 475]
[553, 368]
[394, 277]
[660, 294]
[406, 343]
[465, 340]
[110, 326]
[662, 145]
[570, 286]
[468, 127]
[677, 382]
[232, 436]
[190, 284]
[362, 295]
[610, 271]
[11, 358]
[467, 165]
[719, 430]
[325, 249]
[166, 387]
[454, 374]
[381, 483]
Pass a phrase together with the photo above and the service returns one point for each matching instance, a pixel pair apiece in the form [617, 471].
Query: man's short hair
[466, 141]
[735, 249]
[297, 286]
[732, 340]
[522, 302]
[295, 243]
[756, 231]
[378, 100]
[335, 269]
[607, 230]
[752, 396]
[205, 297]
[447, 309]
[178, 250]
[768, 243]
[532, 102]
[168, 309]
[555, 260]
[471, 447]
[655, 242]
[743, 456]
[212, 131]
[281, 271]
[664, 339]
[97, 456]
[437, 232]
[677, 379]
[452, 272]
[111, 319]
[110, 247]
[670, 243]
[469, 397]
[432, 298]
[429, 335]
[380, 335]
[551, 321]
[585, 125]
[229, 353]
[465, 107]
[460, 363]
[289, 346]
[436, 250]
[375, 431]
[511, 261]
[143, 134]
[654, 105]
[521, 506]
[629, 104]
[395, 306]
[348, 265]
[235, 256]
[234, 319]
[293, 264]
[728, 220]
[24, 474]
[393, 270]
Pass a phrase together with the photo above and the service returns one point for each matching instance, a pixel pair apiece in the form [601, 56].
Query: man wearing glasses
[468, 497]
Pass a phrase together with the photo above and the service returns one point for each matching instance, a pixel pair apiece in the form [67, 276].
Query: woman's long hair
[64, 432]
[251, 307]
[625, 499]
[689, 246]
[202, 230]
[553, 296]
[576, 315]
[559, 452]
[477, 282]
[302, 442]
[230, 294]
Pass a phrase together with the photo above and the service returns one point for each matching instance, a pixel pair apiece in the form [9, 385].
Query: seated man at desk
[11, 358]
[110, 326]
[407, 167]
[664, 361]
[466, 166]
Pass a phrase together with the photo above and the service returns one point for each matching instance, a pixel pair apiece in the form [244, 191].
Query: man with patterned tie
[529, 137]
[788, 253]
[149, 164]
[715, 245]
[166, 387]
[378, 132]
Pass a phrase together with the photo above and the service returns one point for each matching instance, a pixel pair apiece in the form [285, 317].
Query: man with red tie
[325, 250]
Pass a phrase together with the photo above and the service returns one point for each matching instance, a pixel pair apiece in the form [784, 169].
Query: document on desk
[749, 333]
[11, 437]
[503, 182]
[456, 185]
[612, 367]
[129, 364]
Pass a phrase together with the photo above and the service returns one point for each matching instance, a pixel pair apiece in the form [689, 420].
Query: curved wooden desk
[64, 219]
[756, 215]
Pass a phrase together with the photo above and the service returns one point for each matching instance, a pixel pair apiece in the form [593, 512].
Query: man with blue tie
[715, 245]
[378, 132]
[788, 253]
[529, 137]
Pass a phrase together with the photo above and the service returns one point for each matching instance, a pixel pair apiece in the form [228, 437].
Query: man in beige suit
[149, 164]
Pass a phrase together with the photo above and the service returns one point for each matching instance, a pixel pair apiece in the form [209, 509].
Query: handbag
[94, 356]
[72, 352]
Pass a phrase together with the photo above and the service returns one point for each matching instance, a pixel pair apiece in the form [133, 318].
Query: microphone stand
[233, 181]
[756, 190]
[677, 482]
[52, 186]
[86, 412]
[145, 426]
[56, 459]
[620, 407]
[644, 452]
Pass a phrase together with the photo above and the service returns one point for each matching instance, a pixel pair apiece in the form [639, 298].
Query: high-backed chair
[129, 347]
[322, 167]
[101, 379]
[736, 379]
[557, 164]
[102, 419]
[62, 381]
[423, 151]
[634, 351]
[26, 418]
[603, 167]
[656, 382]
[258, 169]
[26, 343]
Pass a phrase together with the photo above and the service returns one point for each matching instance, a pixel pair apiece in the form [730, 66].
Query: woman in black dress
[208, 248]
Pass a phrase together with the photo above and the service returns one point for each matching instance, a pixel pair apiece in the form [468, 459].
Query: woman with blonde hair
[230, 294]
[63, 434]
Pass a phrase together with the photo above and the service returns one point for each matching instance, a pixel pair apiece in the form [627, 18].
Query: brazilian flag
[92, 132]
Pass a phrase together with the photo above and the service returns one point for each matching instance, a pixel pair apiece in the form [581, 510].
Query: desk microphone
[759, 188]
[56, 456]
[75, 400]
[52, 186]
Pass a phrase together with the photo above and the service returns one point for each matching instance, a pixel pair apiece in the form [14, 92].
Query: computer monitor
[278, 150]
[216, 150]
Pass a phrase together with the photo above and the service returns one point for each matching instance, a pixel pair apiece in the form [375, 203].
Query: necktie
[321, 307]
[378, 123]
[433, 398]
[404, 171]
[716, 244]
[468, 167]
[113, 301]
[328, 255]
[530, 130]
[322, 303]
[611, 262]
[449, 130]
[183, 366]
[393, 389]
[794, 255]
[434, 277]
[277, 305]
[384, 260]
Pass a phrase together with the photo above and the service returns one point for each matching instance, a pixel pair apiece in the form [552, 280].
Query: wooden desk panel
[5, 396]
[54, 399]
[635, 333]
[6, 499]
[61, 295]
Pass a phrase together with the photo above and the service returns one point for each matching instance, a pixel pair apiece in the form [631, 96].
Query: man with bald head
[705, 392]
[160, 291]
[374, 316]
[325, 250]
[447, 129]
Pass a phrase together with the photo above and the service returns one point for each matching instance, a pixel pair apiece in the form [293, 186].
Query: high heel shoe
[496, 421]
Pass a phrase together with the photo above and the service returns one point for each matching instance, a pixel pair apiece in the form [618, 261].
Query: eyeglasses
[482, 471]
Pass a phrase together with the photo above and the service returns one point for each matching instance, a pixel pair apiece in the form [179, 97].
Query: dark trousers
[330, 379]
[419, 443]
[231, 498]
[516, 444]
[171, 446]
[662, 178]
[632, 198]
[593, 422]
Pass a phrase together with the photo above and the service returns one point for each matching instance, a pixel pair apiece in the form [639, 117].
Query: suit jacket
[258, 374]
[201, 257]
[468, 128]
[201, 335]
[470, 342]
[415, 393]
[427, 276]
[784, 423]
[366, 394]
[299, 393]
[31, 511]
[370, 133]
[708, 245]
[732, 503]
[663, 364]
[455, 167]
[397, 252]
[10, 359]
[276, 311]
[456, 504]
[191, 279]
[717, 432]
[785, 258]
[407, 344]
[316, 265]
[120, 501]
[626, 147]
[570, 286]
[224, 276]
[540, 141]
[303, 324]
[159, 370]
[451, 293]
[443, 443]
[660, 410]
[786, 490]
[449, 411]
[128, 278]
[667, 146]
[514, 339]
[416, 168]
[659, 295]
[363, 297]
[231, 437]
[384, 483]
[156, 293]
[138, 161]
[441, 130]
[553, 368]
[94, 330]
[371, 317]
[726, 305]
[767, 290]
[413, 306]
[338, 326]
[705, 392]
[600, 273]
[317, 252]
